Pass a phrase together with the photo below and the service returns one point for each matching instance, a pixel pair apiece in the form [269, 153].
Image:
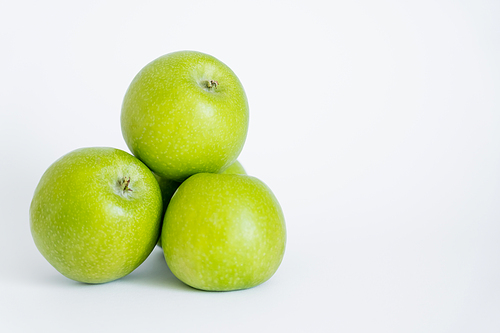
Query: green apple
[185, 113]
[223, 232]
[96, 214]
[168, 187]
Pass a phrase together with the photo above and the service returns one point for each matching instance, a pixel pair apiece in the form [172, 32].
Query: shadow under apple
[154, 271]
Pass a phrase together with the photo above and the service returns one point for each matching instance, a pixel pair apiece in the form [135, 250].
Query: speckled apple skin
[176, 125]
[168, 187]
[223, 232]
[82, 222]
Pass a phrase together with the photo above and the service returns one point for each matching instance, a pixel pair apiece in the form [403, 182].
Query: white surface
[376, 124]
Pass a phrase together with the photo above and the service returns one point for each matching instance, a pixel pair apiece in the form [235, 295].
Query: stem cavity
[210, 84]
[124, 183]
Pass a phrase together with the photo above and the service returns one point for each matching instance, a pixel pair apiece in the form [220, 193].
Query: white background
[375, 123]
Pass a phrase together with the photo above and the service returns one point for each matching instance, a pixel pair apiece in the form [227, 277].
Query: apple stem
[125, 183]
[212, 83]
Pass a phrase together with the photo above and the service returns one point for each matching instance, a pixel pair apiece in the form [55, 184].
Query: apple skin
[88, 222]
[223, 232]
[185, 113]
[168, 187]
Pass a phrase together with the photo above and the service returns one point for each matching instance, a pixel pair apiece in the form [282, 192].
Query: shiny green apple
[185, 113]
[168, 187]
[96, 214]
[223, 232]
